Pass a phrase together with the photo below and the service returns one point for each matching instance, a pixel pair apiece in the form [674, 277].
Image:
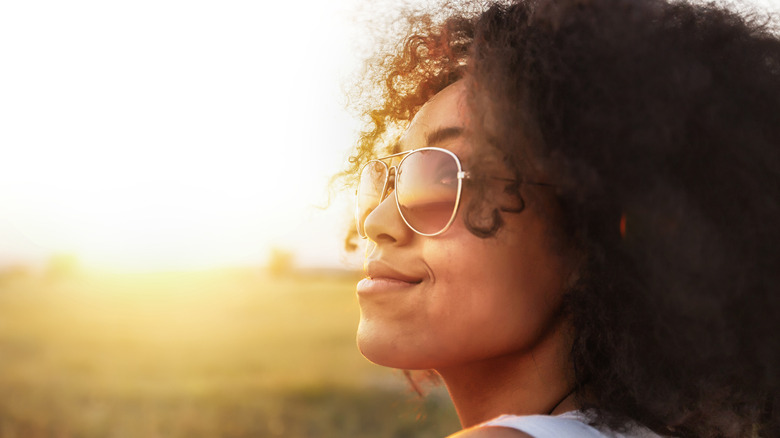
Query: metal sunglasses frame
[461, 175]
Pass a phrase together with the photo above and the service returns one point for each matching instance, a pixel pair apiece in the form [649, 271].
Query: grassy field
[232, 353]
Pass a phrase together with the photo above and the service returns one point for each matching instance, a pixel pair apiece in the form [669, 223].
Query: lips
[381, 277]
[377, 269]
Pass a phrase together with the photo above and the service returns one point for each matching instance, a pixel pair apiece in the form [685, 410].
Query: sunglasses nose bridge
[392, 174]
[388, 188]
[383, 220]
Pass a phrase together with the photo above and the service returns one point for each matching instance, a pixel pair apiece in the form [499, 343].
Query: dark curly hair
[659, 124]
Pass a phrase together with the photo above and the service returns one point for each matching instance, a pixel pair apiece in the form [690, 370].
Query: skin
[484, 313]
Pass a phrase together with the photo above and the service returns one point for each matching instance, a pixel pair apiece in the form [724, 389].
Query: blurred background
[167, 268]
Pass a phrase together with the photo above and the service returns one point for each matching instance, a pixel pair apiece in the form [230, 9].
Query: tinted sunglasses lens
[369, 192]
[427, 190]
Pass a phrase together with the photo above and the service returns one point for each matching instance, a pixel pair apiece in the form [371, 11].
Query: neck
[537, 381]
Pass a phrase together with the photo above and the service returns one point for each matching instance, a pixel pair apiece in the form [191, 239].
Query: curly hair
[659, 124]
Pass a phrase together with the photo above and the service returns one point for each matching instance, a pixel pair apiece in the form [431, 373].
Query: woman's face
[453, 299]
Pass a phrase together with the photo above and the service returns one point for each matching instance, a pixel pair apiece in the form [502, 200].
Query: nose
[385, 225]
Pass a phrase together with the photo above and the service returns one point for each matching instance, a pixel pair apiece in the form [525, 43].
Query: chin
[381, 348]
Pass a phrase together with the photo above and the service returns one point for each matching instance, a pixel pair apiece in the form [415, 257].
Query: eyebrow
[434, 137]
[441, 134]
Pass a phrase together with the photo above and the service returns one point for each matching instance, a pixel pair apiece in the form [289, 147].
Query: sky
[159, 134]
[176, 134]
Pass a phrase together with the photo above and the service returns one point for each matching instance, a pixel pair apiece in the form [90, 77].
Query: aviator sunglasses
[426, 184]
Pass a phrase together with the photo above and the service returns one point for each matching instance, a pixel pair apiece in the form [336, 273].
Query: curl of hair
[659, 123]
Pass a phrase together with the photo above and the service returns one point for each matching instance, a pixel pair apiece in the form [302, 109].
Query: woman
[571, 210]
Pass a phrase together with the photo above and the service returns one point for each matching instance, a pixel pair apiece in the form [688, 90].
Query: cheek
[495, 298]
[486, 297]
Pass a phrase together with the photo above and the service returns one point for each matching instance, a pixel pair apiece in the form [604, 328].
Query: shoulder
[490, 432]
[539, 426]
[571, 424]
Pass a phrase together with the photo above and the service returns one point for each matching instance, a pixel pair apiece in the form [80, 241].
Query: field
[230, 353]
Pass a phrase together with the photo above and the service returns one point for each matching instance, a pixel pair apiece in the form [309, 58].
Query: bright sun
[171, 134]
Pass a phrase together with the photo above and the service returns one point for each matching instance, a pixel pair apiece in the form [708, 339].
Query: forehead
[441, 122]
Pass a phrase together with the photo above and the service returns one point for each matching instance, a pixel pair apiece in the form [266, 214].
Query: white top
[572, 424]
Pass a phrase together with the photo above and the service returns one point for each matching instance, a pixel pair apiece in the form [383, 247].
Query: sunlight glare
[162, 134]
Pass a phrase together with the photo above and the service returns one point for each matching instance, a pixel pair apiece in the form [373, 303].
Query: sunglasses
[426, 184]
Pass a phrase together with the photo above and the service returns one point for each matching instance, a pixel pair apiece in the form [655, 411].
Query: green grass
[231, 353]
